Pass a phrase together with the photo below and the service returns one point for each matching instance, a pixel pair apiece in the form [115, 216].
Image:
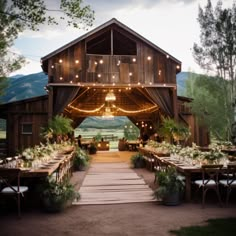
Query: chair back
[211, 173]
[10, 177]
[231, 173]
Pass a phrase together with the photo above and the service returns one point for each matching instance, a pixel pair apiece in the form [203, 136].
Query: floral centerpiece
[33, 156]
[163, 147]
[225, 144]
[215, 155]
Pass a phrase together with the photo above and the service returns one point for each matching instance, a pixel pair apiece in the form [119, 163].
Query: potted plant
[58, 128]
[137, 160]
[80, 160]
[56, 196]
[170, 186]
[172, 130]
[92, 148]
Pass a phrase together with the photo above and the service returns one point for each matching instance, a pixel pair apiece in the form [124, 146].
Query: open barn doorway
[109, 130]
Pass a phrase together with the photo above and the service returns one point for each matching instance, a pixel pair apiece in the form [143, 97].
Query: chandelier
[110, 97]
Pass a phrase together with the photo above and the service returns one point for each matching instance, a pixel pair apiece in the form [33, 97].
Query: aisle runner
[113, 183]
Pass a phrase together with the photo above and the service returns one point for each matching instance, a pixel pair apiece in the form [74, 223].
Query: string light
[138, 111]
[117, 109]
[60, 60]
[86, 111]
[77, 61]
[149, 58]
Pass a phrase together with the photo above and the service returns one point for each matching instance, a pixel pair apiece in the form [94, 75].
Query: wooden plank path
[113, 183]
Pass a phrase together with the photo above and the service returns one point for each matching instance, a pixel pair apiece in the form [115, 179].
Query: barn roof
[102, 27]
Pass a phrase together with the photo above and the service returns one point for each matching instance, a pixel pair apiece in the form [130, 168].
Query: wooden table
[46, 169]
[85, 144]
[186, 169]
[133, 145]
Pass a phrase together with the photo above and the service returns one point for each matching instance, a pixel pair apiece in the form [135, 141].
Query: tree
[210, 104]
[18, 15]
[217, 52]
[131, 132]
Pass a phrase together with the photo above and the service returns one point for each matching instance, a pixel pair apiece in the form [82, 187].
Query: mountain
[181, 79]
[25, 87]
[99, 122]
[17, 76]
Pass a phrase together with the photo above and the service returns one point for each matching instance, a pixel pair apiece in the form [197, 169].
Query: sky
[170, 24]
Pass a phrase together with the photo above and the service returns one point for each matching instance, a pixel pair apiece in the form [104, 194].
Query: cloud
[31, 67]
[113, 5]
[45, 33]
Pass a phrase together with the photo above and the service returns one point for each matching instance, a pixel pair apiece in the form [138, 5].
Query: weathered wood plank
[113, 183]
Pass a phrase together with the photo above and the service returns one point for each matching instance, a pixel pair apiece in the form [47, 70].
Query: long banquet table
[47, 168]
[186, 169]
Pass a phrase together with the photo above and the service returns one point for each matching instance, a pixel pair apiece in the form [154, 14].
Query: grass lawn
[2, 134]
[215, 227]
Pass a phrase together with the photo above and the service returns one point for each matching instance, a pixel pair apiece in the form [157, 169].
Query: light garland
[134, 112]
[87, 111]
[117, 109]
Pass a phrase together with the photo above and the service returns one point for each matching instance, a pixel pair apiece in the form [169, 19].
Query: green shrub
[137, 160]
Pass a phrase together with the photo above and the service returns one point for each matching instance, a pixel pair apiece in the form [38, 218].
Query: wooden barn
[109, 71]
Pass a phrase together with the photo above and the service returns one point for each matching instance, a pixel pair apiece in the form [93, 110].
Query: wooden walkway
[112, 182]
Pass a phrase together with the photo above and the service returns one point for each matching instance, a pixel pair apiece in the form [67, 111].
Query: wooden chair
[159, 165]
[210, 180]
[230, 181]
[61, 171]
[149, 159]
[10, 185]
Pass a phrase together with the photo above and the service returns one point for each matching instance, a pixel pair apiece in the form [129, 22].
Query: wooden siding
[33, 112]
[148, 66]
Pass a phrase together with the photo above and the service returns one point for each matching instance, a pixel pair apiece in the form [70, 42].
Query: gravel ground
[121, 219]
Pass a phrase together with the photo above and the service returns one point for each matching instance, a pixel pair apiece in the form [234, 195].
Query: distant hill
[25, 87]
[181, 79]
[17, 76]
[22, 87]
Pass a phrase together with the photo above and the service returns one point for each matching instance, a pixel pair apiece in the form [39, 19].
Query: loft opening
[111, 42]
